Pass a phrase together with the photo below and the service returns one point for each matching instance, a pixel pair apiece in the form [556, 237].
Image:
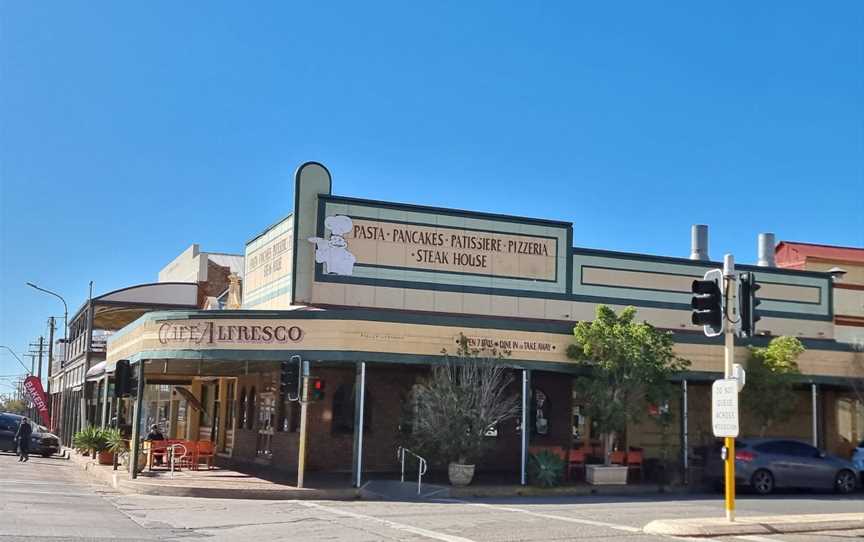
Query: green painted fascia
[697, 263]
[447, 211]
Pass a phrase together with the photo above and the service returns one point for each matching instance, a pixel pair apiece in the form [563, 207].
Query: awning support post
[105, 400]
[136, 424]
[359, 413]
[685, 436]
[526, 386]
[814, 392]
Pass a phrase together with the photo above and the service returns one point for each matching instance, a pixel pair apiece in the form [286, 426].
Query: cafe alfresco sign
[210, 332]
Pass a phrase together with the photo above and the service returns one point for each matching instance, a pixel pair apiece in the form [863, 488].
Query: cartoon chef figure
[334, 252]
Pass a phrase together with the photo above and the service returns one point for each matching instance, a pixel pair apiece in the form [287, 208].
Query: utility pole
[50, 368]
[39, 365]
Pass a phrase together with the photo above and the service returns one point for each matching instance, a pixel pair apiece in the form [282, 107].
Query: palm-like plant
[91, 439]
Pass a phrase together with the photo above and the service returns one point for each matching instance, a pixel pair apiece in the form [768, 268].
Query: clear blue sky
[129, 130]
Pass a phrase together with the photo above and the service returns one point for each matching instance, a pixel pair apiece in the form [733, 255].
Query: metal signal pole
[731, 317]
[304, 425]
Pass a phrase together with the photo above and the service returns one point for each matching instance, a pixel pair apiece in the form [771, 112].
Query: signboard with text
[724, 408]
[394, 245]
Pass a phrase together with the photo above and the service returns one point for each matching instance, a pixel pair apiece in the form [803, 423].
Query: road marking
[387, 523]
[757, 538]
[615, 526]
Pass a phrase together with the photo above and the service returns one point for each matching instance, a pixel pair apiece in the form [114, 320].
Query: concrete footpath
[755, 525]
[214, 484]
[229, 484]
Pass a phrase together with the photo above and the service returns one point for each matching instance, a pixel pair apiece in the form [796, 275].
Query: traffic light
[747, 303]
[289, 378]
[708, 303]
[316, 389]
[122, 379]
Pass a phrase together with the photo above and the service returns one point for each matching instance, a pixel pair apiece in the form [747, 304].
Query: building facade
[373, 293]
[79, 384]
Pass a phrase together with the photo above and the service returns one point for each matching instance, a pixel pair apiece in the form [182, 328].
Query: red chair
[155, 448]
[634, 462]
[575, 460]
[617, 458]
[206, 452]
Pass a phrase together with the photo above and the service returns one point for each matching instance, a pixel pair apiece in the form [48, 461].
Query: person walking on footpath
[23, 438]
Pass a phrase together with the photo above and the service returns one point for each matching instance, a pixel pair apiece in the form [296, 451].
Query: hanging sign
[34, 389]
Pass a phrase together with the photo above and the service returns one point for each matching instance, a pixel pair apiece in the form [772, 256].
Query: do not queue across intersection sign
[724, 407]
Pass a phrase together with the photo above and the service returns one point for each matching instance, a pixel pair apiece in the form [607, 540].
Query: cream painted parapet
[269, 259]
[310, 181]
[358, 253]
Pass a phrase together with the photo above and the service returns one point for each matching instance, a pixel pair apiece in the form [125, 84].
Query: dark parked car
[42, 441]
[763, 464]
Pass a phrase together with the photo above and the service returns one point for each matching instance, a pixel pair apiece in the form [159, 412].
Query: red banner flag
[34, 389]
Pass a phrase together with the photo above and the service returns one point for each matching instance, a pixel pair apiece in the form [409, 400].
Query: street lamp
[65, 319]
[16, 357]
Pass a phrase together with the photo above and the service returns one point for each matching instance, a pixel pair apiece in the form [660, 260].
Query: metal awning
[96, 372]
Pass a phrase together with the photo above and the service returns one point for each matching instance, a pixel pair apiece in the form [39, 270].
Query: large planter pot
[106, 458]
[460, 475]
[599, 475]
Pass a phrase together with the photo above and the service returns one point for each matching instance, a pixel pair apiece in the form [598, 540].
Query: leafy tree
[629, 364]
[772, 371]
[459, 403]
[15, 406]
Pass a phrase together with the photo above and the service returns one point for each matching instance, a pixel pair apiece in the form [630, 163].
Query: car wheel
[845, 482]
[762, 482]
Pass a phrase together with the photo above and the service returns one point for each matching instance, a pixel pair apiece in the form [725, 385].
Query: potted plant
[457, 406]
[88, 440]
[629, 365]
[116, 444]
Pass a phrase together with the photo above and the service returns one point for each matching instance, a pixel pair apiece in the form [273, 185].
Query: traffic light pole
[304, 401]
[731, 317]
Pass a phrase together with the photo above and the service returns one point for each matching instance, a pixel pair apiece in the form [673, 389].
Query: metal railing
[421, 465]
[176, 454]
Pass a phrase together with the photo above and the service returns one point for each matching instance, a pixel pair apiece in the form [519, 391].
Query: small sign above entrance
[724, 407]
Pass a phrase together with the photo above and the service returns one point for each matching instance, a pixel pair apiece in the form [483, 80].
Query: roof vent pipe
[699, 242]
[766, 250]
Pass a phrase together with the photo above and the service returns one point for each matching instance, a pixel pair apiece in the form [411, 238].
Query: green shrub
[545, 469]
[89, 439]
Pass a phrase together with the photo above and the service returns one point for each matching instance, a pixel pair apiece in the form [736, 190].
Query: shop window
[850, 421]
[343, 409]
[541, 410]
[250, 409]
[410, 410]
[241, 409]
[204, 414]
[231, 408]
